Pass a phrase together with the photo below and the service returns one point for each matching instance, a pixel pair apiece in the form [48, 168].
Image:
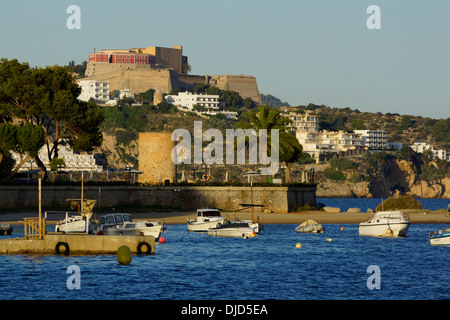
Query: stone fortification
[155, 149]
[140, 78]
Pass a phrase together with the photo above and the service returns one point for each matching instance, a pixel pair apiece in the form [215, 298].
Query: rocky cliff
[397, 177]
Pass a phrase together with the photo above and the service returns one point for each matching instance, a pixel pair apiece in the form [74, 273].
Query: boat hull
[384, 230]
[442, 239]
[314, 228]
[75, 227]
[195, 226]
[150, 231]
[237, 230]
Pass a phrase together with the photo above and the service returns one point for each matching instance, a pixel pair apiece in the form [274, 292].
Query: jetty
[37, 241]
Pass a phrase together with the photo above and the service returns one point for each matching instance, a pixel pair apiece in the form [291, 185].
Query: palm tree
[269, 118]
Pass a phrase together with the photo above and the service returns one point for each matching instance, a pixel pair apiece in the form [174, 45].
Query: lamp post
[250, 175]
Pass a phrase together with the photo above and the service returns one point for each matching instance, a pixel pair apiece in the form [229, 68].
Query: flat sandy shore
[416, 216]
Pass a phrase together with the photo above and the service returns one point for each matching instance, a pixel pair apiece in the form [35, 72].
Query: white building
[96, 89]
[308, 121]
[73, 161]
[374, 139]
[316, 143]
[187, 100]
[421, 147]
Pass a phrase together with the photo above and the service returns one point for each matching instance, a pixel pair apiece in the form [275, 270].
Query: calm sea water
[364, 204]
[192, 266]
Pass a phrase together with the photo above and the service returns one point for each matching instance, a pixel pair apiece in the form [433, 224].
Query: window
[118, 219]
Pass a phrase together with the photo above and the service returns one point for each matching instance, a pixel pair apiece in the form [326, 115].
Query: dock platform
[68, 244]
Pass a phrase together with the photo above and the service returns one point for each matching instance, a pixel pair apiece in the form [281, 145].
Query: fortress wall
[246, 86]
[140, 78]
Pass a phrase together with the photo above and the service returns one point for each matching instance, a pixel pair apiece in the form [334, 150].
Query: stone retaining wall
[275, 199]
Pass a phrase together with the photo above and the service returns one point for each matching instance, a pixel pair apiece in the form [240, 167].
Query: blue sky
[300, 51]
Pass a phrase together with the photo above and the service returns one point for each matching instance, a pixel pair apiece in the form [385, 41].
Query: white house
[187, 100]
[96, 89]
[421, 147]
[73, 161]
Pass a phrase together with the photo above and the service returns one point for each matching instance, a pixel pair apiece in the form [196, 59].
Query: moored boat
[310, 226]
[235, 229]
[206, 219]
[441, 238]
[386, 224]
[80, 222]
[123, 224]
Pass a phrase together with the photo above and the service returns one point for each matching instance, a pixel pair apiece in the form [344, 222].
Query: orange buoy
[161, 240]
[388, 231]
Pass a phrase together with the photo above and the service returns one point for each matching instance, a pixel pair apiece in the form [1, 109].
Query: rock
[354, 210]
[332, 209]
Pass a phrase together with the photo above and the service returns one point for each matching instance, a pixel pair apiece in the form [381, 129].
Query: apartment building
[374, 139]
[187, 100]
[95, 89]
[308, 121]
[73, 161]
[317, 143]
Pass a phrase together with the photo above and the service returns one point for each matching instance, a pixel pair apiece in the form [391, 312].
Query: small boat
[441, 238]
[206, 219]
[386, 224]
[77, 223]
[5, 228]
[310, 226]
[122, 224]
[235, 229]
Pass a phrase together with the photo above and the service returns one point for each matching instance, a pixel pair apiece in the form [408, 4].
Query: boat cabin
[386, 216]
[114, 219]
[205, 214]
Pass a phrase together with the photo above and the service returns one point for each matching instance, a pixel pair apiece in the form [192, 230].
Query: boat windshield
[211, 213]
[127, 217]
[118, 219]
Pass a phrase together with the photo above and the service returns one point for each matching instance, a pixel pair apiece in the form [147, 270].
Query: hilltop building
[209, 103]
[374, 139]
[321, 142]
[308, 121]
[95, 89]
[187, 100]
[421, 147]
[159, 68]
[165, 57]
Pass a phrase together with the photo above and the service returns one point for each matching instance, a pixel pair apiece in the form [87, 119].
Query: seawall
[275, 199]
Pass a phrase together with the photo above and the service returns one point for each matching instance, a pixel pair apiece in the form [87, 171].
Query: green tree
[47, 97]
[57, 163]
[268, 118]
[26, 140]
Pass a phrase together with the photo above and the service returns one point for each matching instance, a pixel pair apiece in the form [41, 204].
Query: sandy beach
[416, 216]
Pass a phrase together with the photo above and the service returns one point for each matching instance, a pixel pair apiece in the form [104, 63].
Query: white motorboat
[310, 226]
[386, 224]
[441, 238]
[122, 224]
[80, 222]
[206, 219]
[236, 229]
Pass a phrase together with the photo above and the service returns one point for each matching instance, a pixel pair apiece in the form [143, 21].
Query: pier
[37, 241]
[77, 244]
